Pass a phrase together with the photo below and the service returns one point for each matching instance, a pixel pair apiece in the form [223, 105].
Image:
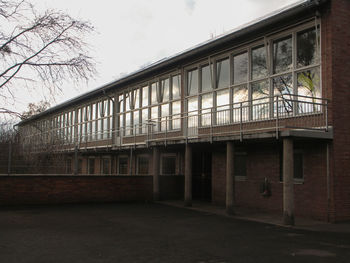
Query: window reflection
[309, 85]
[259, 68]
[307, 53]
[283, 88]
[222, 101]
[207, 104]
[282, 55]
[260, 93]
[222, 73]
[192, 82]
[206, 79]
[176, 81]
[240, 68]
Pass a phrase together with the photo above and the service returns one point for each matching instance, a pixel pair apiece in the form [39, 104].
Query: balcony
[268, 116]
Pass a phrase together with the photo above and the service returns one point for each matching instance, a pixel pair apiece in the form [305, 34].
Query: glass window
[176, 87]
[240, 164]
[154, 117]
[283, 88]
[123, 165]
[223, 73]
[259, 69]
[193, 110]
[144, 96]
[105, 165]
[222, 101]
[80, 166]
[164, 90]
[91, 166]
[282, 55]
[240, 68]
[306, 48]
[260, 93]
[206, 79]
[142, 165]
[128, 123]
[136, 98]
[144, 120]
[136, 121]
[176, 122]
[164, 113]
[207, 104]
[309, 85]
[154, 93]
[192, 82]
[121, 103]
[169, 165]
[127, 101]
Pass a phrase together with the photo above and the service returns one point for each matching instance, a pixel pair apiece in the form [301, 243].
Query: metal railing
[266, 114]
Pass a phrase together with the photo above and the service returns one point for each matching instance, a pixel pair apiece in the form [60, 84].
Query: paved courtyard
[154, 233]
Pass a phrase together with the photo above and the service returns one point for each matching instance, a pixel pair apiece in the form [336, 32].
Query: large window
[122, 165]
[142, 165]
[105, 165]
[91, 166]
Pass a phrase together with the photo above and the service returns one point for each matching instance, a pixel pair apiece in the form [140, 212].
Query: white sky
[133, 33]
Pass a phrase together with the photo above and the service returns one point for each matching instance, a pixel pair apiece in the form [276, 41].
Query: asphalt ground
[154, 233]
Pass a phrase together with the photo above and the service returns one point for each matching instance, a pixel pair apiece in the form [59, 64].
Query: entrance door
[201, 176]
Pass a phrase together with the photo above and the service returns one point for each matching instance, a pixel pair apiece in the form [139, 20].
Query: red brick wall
[15, 190]
[336, 79]
[263, 160]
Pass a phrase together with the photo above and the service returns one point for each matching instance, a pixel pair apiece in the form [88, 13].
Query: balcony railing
[267, 114]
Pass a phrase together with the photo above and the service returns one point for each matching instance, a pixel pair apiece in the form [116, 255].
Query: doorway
[201, 176]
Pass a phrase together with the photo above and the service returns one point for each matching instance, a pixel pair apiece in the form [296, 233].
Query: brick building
[257, 118]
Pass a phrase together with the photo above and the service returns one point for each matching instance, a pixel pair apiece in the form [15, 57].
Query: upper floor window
[223, 73]
[192, 82]
[259, 68]
[282, 55]
[307, 52]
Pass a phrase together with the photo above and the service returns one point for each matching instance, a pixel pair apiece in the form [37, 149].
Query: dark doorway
[201, 176]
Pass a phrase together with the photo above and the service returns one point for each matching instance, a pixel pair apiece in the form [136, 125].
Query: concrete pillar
[156, 193]
[188, 175]
[230, 180]
[288, 182]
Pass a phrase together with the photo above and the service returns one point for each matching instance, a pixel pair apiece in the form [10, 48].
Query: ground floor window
[168, 164]
[105, 165]
[142, 165]
[91, 166]
[80, 166]
[298, 165]
[122, 165]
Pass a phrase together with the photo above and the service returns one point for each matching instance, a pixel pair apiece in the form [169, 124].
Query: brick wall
[15, 190]
[263, 160]
[336, 82]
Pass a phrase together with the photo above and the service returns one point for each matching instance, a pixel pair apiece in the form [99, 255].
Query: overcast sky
[134, 33]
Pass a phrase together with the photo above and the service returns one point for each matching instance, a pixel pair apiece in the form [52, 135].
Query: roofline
[262, 22]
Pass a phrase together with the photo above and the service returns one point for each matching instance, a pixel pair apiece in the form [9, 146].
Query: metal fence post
[240, 121]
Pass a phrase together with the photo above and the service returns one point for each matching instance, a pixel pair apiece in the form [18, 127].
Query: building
[258, 117]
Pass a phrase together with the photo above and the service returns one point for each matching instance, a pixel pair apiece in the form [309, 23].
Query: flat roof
[257, 24]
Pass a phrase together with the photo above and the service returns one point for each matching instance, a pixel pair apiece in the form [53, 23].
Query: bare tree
[41, 48]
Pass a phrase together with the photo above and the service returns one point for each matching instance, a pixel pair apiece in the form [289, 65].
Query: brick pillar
[230, 181]
[156, 195]
[188, 175]
[288, 182]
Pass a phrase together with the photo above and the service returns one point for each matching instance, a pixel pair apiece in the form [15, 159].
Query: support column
[230, 180]
[156, 194]
[288, 182]
[188, 175]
